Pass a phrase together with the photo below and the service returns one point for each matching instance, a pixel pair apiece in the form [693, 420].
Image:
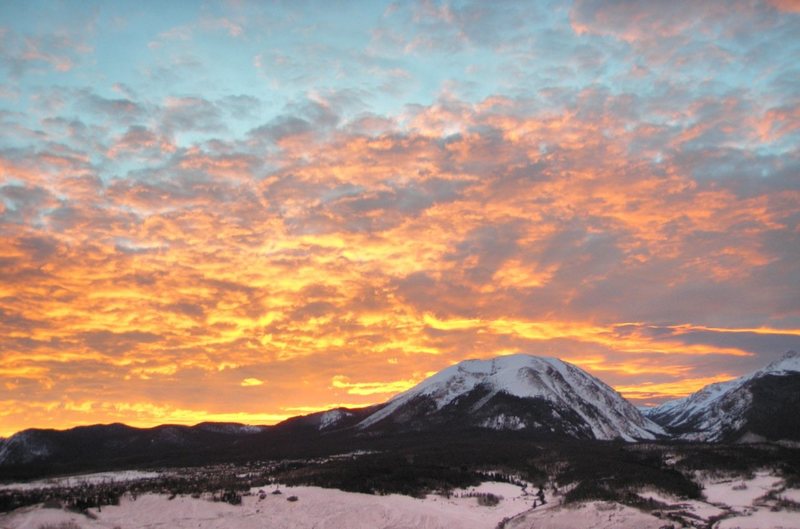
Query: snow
[330, 418]
[703, 398]
[316, 507]
[36, 517]
[737, 500]
[528, 376]
[504, 422]
[745, 499]
[700, 508]
[98, 477]
[504, 490]
[791, 495]
[249, 428]
[703, 409]
[230, 428]
[26, 442]
[762, 519]
[788, 363]
[741, 493]
[594, 515]
[719, 407]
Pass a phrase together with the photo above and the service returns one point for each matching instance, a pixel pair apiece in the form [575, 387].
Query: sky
[236, 211]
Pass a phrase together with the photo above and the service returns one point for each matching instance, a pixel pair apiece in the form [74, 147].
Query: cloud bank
[249, 214]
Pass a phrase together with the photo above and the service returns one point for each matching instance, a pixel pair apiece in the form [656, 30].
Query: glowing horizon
[248, 212]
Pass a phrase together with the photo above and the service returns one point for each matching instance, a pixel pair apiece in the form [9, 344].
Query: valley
[604, 485]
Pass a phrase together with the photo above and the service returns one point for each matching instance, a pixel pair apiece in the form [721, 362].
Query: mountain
[114, 443]
[544, 396]
[329, 421]
[762, 405]
[519, 396]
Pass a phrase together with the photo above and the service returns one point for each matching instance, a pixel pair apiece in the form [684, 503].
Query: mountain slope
[518, 392]
[763, 404]
[333, 420]
[538, 398]
[113, 442]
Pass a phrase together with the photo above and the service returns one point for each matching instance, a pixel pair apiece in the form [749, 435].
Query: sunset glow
[248, 211]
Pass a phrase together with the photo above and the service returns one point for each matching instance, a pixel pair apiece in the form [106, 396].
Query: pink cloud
[788, 6]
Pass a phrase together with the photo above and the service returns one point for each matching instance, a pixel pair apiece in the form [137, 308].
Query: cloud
[301, 122]
[121, 109]
[789, 6]
[406, 244]
[576, 186]
[372, 388]
[183, 114]
[117, 342]
[241, 106]
[138, 139]
[633, 20]
[22, 203]
[234, 29]
[22, 54]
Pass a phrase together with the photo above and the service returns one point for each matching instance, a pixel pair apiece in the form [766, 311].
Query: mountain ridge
[725, 410]
[539, 398]
[557, 385]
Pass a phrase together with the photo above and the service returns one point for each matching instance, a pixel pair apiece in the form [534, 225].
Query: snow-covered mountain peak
[720, 408]
[27, 445]
[332, 417]
[787, 363]
[563, 386]
[513, 374]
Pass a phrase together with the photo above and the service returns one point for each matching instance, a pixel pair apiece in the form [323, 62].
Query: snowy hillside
[24, 447]
[724, 409]
[518, 392]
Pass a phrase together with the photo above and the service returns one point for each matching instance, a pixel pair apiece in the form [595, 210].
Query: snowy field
[315, 507]
[758, 502]
[730, 503]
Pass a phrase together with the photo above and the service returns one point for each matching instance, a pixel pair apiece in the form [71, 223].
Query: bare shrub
[488, 499]
[61, 525]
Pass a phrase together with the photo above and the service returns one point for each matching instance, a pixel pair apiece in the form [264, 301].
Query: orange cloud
[789, 6]
[396, 255]
[387, 389]
[651, 393]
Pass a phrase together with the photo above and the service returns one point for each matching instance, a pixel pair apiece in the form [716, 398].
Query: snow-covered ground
[701, 509]
[316, 507]
[594, 515]
[761, 519]
[791, 495]
[740, 494]
[753, 502]
[736, 501]
[332, 509]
